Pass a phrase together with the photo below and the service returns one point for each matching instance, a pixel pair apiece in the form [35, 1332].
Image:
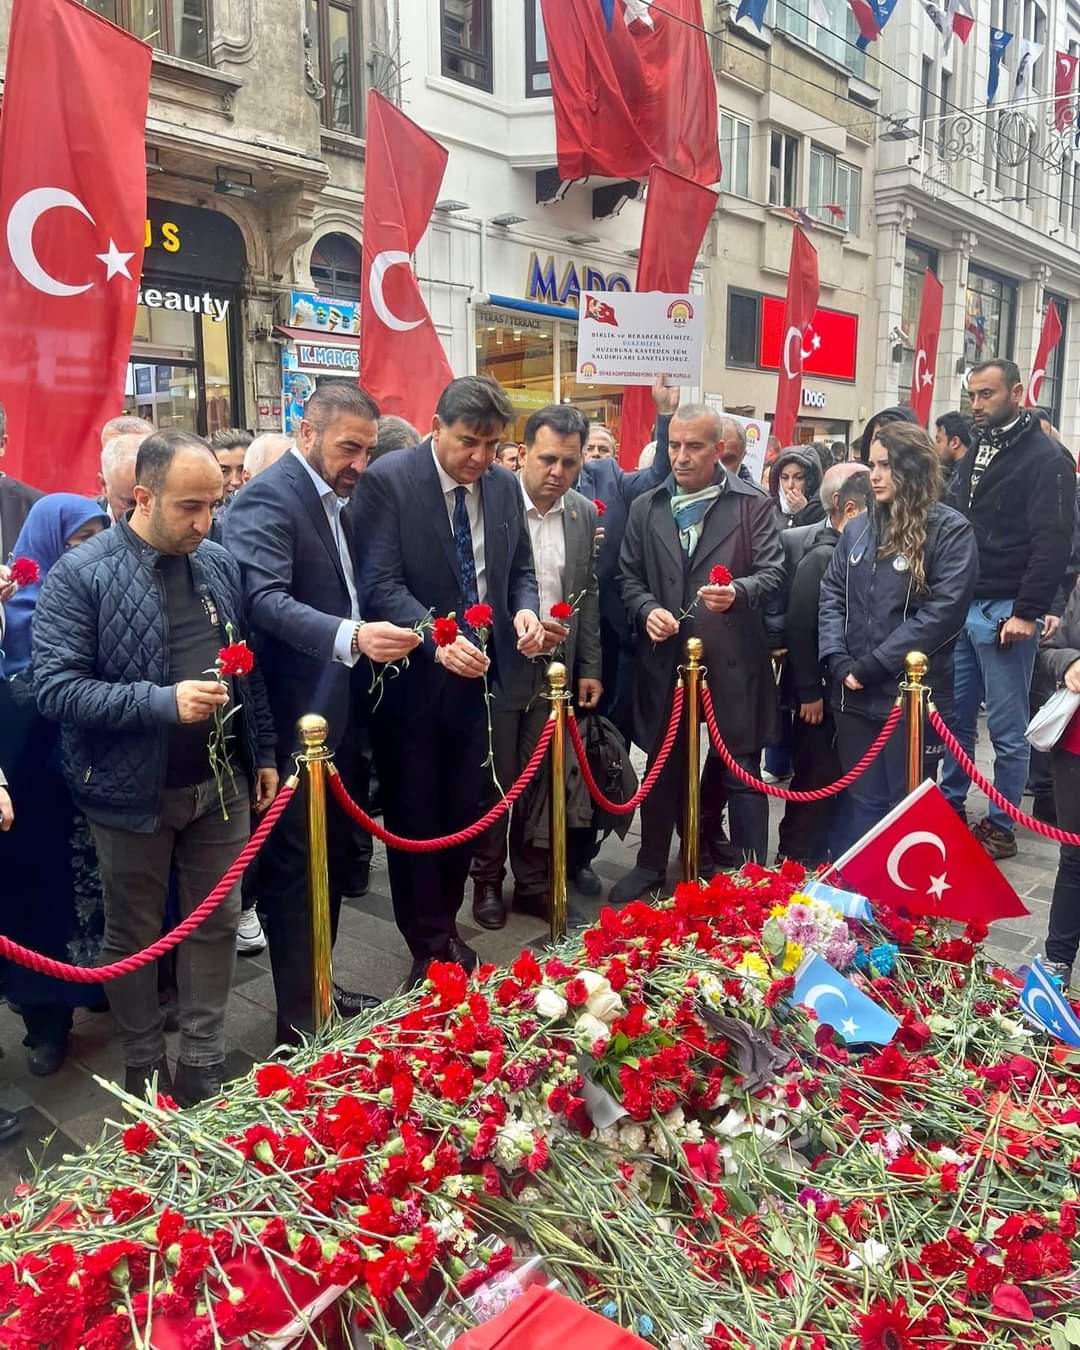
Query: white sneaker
[250, 937]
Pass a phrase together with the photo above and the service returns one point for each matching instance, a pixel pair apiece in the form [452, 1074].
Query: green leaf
[1059, 1338]
[1072, 1330]
[774, 938]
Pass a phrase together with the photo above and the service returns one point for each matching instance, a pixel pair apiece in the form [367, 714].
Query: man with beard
[286, 531]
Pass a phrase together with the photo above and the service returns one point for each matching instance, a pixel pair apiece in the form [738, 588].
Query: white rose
[594, 983]
[550, 1004]
[588, 1029]
[605, 1005]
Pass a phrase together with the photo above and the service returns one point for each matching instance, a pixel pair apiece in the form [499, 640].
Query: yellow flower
[752, 964]
[777, 911]
[793, 956]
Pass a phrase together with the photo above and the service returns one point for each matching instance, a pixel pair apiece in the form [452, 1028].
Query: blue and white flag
[840, 1005]
[753, 10]
[1045, 1004]
[999, 40]
[850, 905]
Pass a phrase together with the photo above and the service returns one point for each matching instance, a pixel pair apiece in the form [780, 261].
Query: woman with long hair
[901, 579]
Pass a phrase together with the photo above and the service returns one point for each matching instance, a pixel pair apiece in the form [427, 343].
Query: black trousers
[804, 829]
[1063, 937]
[283, 887]
[434, 783]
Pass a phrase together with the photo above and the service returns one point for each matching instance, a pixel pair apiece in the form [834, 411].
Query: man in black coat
[701, 518]
[286, 530]
[1018, 489]
[441, 530]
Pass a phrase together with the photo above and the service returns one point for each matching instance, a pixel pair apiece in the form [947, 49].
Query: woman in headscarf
[51, 897]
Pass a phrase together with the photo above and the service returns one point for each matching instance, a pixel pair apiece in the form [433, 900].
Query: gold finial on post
[558, 694]
[691, 840]
[915, 668]
[315, 755]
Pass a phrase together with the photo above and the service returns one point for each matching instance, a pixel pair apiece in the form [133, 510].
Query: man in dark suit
[703, 517]
[562, 526]
[16, 499]
[285, 530]
[439, 533]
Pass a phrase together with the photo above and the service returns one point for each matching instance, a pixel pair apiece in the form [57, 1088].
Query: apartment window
[783, 169]
[990, 315]
[334, 29]
[335, 267]
[179, 27]
[925, 89]
[835, 40]
[466, 42]
[537, 72]
[944, 103]
[742, 328]
[735, 155]
[834, 190]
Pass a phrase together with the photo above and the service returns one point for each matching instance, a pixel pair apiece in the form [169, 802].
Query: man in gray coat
[562, 525]
[701, 518]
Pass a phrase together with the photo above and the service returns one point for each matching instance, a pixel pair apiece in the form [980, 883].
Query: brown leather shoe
[998, 843]
[487, 905]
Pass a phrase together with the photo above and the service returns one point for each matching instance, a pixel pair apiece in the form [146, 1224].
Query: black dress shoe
[531, 902]
[638, 883]
[46, 1057]
[10, 1126]
[358, 880]
[586, 882]
[349, 1003]
[138, 1080]
[487, 905]
[197, 1082]
[417, 972]
[462, 953]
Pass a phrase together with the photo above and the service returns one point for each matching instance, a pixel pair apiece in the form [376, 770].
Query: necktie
[463, 546]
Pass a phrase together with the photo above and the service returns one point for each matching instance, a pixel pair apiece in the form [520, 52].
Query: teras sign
[543, 285]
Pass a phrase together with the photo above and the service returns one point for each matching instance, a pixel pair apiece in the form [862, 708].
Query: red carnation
[477, 616]
[24, 572]
[138, 1138]
[236, 659]
[576, 992]
[562, 610]
[720, 576]
[601, 507]
[886, 1326]
[444, 632]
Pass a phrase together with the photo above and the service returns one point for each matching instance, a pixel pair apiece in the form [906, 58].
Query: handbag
[1048, 725]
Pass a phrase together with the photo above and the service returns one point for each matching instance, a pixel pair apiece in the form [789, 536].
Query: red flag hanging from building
[402, 361]
[72, 221]
[632, 86]
[922, 857]
[926, 344]
[802, 298]
[677, 213]
[1051, 336]
[1064, 75]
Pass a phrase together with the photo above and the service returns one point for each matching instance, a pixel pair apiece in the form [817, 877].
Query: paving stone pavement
[63, 1113]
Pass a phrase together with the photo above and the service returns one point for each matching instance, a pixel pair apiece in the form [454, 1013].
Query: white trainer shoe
[250, 937]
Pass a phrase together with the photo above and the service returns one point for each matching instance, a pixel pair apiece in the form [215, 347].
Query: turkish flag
[923, 858]
[802, 298]
[402, 362]
[830, 342]
[962, 24]
[1064, 75]
[1051, 336]
[926, 343]
[72, 219]
[543, 1317]
[601, 312]
[677, 213]
[632, 87]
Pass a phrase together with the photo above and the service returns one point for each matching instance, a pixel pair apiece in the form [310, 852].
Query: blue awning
[532, 307]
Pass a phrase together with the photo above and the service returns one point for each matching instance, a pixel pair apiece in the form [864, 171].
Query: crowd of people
[332, 553]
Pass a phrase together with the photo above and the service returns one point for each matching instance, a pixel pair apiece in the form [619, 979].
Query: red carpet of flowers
[692, 1157]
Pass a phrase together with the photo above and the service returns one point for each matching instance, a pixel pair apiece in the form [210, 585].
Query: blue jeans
[1000, 677]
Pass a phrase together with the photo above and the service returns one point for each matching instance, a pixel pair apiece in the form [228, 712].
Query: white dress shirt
[548, 537]
[475, 512]
[333, 505]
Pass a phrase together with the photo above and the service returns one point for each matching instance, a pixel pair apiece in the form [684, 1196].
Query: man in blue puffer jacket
[126, 635]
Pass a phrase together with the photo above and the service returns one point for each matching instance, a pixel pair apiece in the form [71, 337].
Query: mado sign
[631, 337]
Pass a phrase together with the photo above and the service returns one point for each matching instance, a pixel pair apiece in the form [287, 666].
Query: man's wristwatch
[356, 638]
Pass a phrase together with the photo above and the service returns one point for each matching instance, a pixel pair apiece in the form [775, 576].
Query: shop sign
[813, 398]
[543, 285]
[323, 314]
[513, 319]
[329, 360]
[192, 241]
[186, 302]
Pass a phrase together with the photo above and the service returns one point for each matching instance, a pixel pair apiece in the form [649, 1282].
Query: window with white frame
[783, 169]
[835, 187]
[835, 40]
[735, 154]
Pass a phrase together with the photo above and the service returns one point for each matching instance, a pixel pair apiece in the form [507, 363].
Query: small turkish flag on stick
[923, 858]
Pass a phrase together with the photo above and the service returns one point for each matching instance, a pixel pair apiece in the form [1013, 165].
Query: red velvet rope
[60, 970]
[625, 808]
[341, 794]
[959, 754]
[815, 794]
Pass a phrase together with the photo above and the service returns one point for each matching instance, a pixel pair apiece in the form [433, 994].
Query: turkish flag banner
[541, 1318]
[1064, 75]
[72, 221]
[802, 298]
[677, 214]
[923, 858]
[926, 344]
[1051, 336]
[402, 362]
[632, 86]
[830, 342]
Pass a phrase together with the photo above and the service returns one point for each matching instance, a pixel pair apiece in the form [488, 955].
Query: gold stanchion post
[691, 840]
[314, 754]
[915, 667]
[559, 695]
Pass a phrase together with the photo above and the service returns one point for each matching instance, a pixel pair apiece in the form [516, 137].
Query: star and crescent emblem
[21, 222]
